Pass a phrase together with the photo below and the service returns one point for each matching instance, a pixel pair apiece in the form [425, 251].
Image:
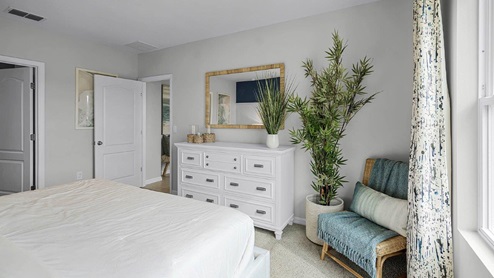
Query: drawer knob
[189, 177]
[258, 166]
[190, 158]
[210, 200]
[209, 180]
[207, 156]
[260, 211]
[234, 159]
[235, 168]
[234, 184]
[189, 196]
[261, 188]
[233, 206]
[207, 164]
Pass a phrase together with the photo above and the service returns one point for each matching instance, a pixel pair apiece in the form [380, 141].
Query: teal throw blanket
[353, 236]
[390, 177]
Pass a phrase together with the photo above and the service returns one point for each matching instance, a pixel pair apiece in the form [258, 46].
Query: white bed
[99, 228]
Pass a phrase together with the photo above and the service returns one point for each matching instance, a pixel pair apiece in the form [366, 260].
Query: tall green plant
[272, 103]
[336, 98]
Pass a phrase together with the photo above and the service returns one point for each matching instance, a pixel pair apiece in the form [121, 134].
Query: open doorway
[165, 137]
[158, 135]
[21, 125]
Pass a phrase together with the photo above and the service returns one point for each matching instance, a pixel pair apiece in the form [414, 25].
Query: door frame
[157, 78]
[39, 123]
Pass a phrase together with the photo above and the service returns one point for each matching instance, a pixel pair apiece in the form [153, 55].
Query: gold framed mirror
[230, 100]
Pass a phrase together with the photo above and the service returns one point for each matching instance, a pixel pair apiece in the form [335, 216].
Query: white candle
[193, 129]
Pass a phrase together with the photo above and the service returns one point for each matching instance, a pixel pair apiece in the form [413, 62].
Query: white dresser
[249, 177]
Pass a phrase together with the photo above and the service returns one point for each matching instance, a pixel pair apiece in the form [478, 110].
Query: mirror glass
[231, 100]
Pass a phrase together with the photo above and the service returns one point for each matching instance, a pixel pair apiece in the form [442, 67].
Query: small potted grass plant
[272, 107]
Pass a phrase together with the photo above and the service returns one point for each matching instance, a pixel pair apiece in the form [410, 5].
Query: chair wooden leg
[325, 252]
[380, 262]
[379, 267]
[325, 248]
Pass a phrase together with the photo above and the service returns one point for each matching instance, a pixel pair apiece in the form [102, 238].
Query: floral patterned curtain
[429, 238]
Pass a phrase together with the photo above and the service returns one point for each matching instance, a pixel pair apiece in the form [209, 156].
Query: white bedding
[98, 228]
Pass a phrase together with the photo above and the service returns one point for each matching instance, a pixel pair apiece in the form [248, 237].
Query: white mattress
[98, 228]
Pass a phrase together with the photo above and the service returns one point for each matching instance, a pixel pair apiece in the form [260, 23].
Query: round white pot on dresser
[312, 211]
[272, 141]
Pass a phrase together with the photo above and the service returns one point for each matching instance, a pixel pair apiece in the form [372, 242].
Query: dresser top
[236, 146]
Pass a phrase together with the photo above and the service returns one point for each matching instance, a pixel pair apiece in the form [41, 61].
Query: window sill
[481, 248]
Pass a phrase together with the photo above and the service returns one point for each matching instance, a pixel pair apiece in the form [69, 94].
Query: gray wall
[67, 150]
[153, 130]
[382, 31]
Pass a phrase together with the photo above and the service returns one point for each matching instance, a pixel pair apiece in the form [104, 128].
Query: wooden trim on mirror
[280, 66]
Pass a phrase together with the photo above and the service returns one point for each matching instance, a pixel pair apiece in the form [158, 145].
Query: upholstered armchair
[375, 227]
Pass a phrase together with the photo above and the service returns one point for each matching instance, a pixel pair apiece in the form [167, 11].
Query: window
[486, 119]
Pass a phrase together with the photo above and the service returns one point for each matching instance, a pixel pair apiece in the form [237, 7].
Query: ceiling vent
[141, 46]
[24, 14]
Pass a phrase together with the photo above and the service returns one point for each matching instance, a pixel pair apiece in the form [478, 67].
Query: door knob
[100, 143]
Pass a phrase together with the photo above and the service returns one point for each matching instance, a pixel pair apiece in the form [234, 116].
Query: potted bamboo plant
[337, 95]
[272, 107]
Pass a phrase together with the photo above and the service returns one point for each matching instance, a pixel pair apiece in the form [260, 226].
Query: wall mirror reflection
[231, 100]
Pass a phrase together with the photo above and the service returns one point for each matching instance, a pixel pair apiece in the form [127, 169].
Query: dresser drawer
[263, 212]
[222, 166]
[199, 178]
[191, 158]
[252, 187]
[210, 198]
[259, 165]
[219, 156]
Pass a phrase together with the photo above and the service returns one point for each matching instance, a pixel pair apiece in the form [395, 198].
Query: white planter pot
[312, 211]
[272, 141]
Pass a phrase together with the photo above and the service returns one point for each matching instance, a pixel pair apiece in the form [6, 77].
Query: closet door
[16, 147]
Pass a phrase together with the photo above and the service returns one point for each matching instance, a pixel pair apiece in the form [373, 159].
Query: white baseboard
[299, 220]
[153, 180]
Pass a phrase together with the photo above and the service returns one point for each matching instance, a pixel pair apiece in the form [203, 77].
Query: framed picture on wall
[84, 96]
[223, 109]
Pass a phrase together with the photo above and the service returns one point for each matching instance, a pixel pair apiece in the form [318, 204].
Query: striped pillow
[380, 208]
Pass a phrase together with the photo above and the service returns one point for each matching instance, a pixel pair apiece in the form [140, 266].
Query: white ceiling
[165, 23]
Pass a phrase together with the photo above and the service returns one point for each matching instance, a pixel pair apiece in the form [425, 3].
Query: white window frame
[486, 120]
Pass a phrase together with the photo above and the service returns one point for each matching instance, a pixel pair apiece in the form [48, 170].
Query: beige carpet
[295, 256]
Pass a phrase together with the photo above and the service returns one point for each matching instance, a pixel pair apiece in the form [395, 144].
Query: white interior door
[15, 129]
[118, 106]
